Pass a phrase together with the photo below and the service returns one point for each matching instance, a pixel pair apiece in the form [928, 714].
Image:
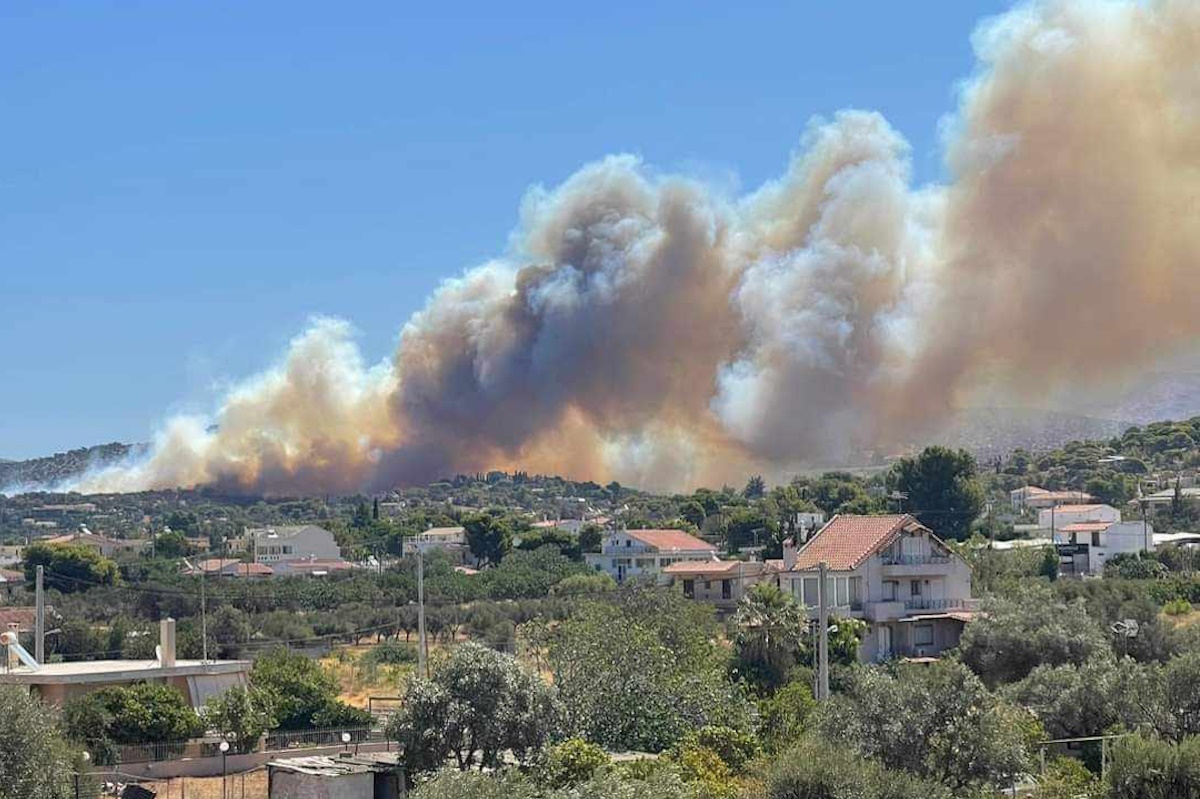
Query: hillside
[61, 466]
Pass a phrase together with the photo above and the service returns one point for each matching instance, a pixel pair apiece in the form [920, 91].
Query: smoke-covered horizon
[651, 328]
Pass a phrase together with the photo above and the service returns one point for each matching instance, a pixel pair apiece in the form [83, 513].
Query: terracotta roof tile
[714, 567]
[666, 540]
[1085, 527]
[846, 541]
[1077, 508]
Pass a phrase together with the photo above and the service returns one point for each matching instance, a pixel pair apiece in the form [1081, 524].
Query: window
[923, 635]
[1096, 538]
[890, 588]
[810, 591]
[843, 591]
[689, 588]
[855, 590]
[707, 585]
[915, 587]
[628, 542]
[726, 589]
[645, 563]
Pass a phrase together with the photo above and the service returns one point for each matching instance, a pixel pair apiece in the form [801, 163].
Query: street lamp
[346, 741]
[224, 747]
[84, 757]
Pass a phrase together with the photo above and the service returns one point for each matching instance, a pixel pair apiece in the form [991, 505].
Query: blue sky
[183, 184]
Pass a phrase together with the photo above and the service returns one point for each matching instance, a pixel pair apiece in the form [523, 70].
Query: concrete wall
[211, 766]
[290, 785]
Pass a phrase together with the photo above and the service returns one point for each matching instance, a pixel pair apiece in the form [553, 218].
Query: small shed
[346, 776]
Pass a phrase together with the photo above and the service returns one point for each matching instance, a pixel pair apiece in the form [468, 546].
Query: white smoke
[650, 329]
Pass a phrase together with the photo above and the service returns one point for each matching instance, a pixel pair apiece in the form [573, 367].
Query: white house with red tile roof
[645, 553]
[720, 582]
[913, 591]
[1086, 536]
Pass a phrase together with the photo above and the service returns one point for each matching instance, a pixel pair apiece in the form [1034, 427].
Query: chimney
[166, 646]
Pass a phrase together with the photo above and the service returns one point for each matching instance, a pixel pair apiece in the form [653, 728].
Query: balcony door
[885, 642]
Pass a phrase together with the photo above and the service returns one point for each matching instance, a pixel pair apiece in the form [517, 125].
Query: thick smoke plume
[649, 328]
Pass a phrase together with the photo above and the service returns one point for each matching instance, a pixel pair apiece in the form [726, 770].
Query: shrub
[571, 762]
[391, 653]
[734, 747]
[1178, 607]
[241, 715]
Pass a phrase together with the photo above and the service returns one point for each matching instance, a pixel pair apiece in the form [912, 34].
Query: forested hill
[60, 466]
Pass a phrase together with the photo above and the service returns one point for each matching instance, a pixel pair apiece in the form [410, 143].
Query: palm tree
[770, 635]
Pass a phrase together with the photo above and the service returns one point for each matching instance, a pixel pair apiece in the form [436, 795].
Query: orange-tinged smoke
[653, 330]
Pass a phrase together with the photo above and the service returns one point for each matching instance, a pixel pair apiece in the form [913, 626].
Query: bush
[571, 762]
[814, 769]
[1177, 607]
[734, 747]
[297, 686]
[139, 714]
[339, 715]
[1144, 768]
[35, 762]
[240, 715]
[391, 653]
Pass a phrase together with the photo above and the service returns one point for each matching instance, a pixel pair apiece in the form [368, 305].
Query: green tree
[35, 762]
[938, 722]
[784, 717]
[70, 568]
[1148, 768]
[478, 704]
[640, 670]
[817, 769]
[590, 538]
[297, 687]
[170, 545]
[489, 536]
[570, 763]
[1016, 635]
[943, 488]
[141, 713]
[769, 636]
[241, 715]
[755, 488]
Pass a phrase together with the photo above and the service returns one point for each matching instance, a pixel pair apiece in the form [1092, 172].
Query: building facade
[644, 554]
[291, 542]
[719, 582]
[893, 573]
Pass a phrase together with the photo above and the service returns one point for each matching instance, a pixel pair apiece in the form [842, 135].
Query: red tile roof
[24, 618]
[846, 541]
[1077, 508]
[11, 576]
[713, 567]
[667, 540]
[1085, 527]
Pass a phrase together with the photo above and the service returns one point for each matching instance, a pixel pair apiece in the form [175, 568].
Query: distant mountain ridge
[61, 466]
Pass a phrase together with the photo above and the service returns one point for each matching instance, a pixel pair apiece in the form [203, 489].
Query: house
[11, 583]
[228, 567]
[377, 775]
[1165, 497]
[313, 567]
[21, 620]
[58, 683]
[450, 540]
[1039, 498]
[719, 582]
[645, 553]
[913, 591]
[11, 555]
[271, 545]
[108, 547]
[1084, 547]
[1059, 516]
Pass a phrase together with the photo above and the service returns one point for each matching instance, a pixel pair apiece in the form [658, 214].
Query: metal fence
[247, 785]
[278, 741]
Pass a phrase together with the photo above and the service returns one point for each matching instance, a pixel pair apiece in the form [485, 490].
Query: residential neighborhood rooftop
[846, 541]
[665, 540]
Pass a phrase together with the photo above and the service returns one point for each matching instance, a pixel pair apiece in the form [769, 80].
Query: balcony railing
[921, 603]
[914, 560]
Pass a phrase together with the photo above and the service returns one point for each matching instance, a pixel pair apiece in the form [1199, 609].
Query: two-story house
[291, 542]
[719, 582]
[894, 573]
[646, 553]
[1060, 516]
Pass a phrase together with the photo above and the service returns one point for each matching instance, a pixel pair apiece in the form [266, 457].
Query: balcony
[916, 565]
[925, 604]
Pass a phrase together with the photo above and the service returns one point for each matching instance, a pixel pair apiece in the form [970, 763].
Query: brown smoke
[652, 330]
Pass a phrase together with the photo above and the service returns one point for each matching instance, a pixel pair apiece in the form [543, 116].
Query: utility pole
[822, 632]
[422, 645]
[204, 615]
[39, 643]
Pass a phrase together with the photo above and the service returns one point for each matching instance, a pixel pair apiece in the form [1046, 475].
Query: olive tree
[35, 762]
[478, 705]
